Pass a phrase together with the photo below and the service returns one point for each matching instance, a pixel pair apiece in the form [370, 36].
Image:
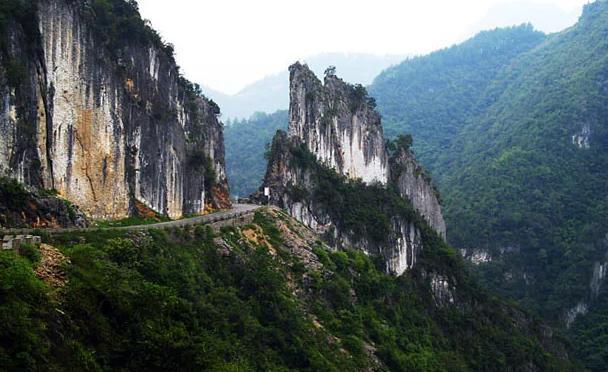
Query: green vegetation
[30, 252]
[20, 207]
[498, 120]
[360, 98]
[590, 333]
[19, 11]
[12, 194]
[131, 221]
[200, 162]
[364, 210]
[15, 73]
[174, 300]
[403, 142]
[519, 181]
[432, 96]
[246, 141]
[157, 301]
[25, 305]
[393, 313]
[119, 23]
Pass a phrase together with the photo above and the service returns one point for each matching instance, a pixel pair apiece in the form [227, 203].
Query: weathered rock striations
[399, 250]
[413, 183]
[105, 126]
[337, 124]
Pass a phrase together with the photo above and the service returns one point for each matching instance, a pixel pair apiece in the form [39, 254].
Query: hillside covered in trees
[513, 125]
[267, 295]
[433, 96]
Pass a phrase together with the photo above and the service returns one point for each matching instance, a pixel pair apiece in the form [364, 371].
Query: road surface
[237, 210]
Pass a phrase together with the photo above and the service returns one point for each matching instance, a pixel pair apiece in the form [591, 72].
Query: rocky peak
[338, 124]
[332, 172]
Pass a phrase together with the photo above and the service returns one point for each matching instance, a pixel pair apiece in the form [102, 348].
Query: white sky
[227, 44]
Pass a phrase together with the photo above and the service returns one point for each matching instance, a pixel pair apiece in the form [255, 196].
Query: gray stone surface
[10, 242]
[341, 129]
[106, 126]
[337, 125]
[413, 183]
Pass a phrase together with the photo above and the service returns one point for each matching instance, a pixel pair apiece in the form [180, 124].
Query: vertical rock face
[337, 125]
[413, 183]
[82, 146]
[106, 127]
[399, 250]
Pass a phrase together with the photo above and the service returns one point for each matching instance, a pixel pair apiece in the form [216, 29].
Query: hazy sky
[227, 44]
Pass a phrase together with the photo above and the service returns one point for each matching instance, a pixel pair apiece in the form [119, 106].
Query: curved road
[237, 210]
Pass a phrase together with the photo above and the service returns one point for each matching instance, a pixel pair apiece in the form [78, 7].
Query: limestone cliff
[413, 183]
[337, 124]
[334, 126]
[293, 187]
[104, 117]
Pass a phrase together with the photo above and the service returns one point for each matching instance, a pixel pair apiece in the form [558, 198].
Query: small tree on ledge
[330, 71]
[403, 141]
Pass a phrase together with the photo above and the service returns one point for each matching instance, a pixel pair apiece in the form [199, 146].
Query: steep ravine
[105, 120]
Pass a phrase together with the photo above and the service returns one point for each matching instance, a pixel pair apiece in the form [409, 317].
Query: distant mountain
[271, 93]
[514, 126]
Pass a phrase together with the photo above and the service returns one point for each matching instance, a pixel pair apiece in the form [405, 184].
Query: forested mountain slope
[432, 96]
[521, 162]
[528, 174]
[263, 295]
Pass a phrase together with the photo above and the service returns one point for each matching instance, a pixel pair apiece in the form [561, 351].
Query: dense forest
[432, 96]
[520, 153]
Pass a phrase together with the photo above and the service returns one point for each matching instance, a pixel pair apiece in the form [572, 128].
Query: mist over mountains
[545, 17]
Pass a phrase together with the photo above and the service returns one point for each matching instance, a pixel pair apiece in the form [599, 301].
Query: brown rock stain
[143, 211]
[255, 235]
[221, 197]
[130, 85]
[93, 163]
